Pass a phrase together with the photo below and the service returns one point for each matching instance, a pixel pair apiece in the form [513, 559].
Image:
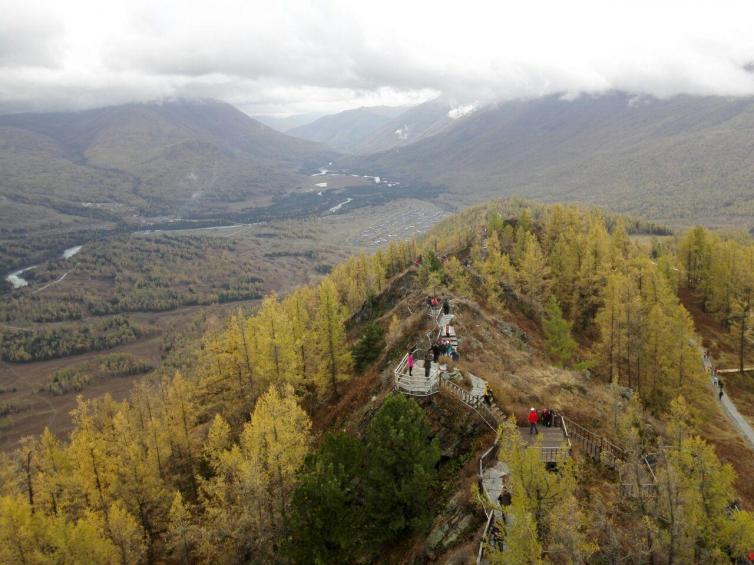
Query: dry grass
[519, 374]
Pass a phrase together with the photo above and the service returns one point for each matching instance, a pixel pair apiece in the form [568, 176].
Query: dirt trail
[730, 410]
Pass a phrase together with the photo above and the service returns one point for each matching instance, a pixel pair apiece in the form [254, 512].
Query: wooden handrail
[485, 536]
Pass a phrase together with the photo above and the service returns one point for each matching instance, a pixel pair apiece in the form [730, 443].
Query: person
[720, 384]
[436, 351]
[452, 353]
[546, 418]
[715, 382]
[445, 307]
[428, 362]
[487, 395]
[410, 362]
[533, 421]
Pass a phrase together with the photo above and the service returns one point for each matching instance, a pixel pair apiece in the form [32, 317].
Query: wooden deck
[417, 384]
[554, 444]
[551, 437]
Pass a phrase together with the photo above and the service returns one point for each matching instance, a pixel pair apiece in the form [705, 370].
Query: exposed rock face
[456, 520]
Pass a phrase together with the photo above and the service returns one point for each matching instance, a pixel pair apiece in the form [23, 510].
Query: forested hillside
[63, 175]
[286, 443]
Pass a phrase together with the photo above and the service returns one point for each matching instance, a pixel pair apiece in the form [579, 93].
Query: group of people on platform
[546, 417]
[435, 302]
[441, 348]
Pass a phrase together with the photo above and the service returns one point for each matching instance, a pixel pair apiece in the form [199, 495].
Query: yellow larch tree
[333, 355]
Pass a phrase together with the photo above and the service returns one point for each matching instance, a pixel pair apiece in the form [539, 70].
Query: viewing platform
[416, 384]
[554, 442]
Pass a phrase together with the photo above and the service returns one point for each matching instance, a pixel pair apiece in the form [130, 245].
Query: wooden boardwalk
[417, 383]
[551, 437]
[552, 442]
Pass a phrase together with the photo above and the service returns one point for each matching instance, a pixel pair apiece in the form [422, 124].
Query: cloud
[301, 56]
[29, 36]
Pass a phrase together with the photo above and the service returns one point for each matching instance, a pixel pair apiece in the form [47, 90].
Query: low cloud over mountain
[292, 58]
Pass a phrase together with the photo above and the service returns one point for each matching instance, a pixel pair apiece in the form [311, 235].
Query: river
[17, 281]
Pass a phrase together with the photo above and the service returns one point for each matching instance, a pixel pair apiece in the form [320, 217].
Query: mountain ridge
[345, 130]
[658, 158]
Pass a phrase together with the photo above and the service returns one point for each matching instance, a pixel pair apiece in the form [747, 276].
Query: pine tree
[126, 535]
[533, 272]
[400, 471]
[181, 530]
[245, 502]
[459, 277]
[522, 546]
[334, 358]
[370, 345]
[276, 353]
[299, 307]
[19, 532]
[328, 520]
[560, 344]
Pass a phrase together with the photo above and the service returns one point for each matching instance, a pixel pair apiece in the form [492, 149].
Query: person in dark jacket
[445, 307]
[436, 351]
[428, 362]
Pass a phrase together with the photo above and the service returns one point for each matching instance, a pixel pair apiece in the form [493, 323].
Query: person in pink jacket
[410, 362]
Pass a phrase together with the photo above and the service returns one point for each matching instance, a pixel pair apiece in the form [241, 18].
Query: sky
[282, 57]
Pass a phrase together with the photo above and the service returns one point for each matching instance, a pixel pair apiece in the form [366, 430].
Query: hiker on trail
[436, 351]
[720, 394]
[487, 395]
[452, 353]
[410, 362]
[716, 382]
[445, 307]
[427, 362]
[546, 418]
[533, 421]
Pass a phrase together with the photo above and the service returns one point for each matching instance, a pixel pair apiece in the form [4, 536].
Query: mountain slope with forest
[147, 159]
[286, 439]
[683, 159]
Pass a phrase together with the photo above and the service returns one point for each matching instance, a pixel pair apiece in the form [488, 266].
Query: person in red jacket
[533, 422]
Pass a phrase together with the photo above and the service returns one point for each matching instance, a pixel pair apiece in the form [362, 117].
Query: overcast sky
[287, 56]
